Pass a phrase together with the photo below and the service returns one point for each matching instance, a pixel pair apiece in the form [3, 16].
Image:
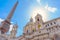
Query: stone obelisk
[5, 25]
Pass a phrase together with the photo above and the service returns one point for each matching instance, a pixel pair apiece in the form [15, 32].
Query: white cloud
[38, 1]
[47, 7]
[41, 11]
[50, 9]
[1, 20]
[44, 11]
[11, 26]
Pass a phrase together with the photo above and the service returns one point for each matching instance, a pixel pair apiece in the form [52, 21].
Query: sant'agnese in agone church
[38, 30]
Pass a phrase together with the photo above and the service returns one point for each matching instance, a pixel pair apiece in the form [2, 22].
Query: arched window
[47, 29]
[51, 23]
[48, 24]
[37, 39]
[54, 22]
[50, 29]
[38, 19]
[33, 30]
[27, 31]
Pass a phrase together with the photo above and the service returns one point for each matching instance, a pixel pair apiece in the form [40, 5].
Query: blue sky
[26, 8]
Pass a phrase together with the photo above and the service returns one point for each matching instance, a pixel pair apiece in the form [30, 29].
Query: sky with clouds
[49, 9]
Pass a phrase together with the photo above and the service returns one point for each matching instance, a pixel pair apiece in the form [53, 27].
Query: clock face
[3, 38]
[39, 26]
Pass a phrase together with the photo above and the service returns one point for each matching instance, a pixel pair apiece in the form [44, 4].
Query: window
[33, 30]
[54, 22]
[37, 39]
[2, 32]
[52, 27]
[59, 26]
[51, 23]
[39, 31]
[56, 26]
[47, 29]
[37, 19]
[48, 24]
[27, 31]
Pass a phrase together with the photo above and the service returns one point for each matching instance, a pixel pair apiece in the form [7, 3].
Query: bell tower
[5, 25]
[38, 21]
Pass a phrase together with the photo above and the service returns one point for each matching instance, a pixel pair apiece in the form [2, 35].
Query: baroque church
[38, 30]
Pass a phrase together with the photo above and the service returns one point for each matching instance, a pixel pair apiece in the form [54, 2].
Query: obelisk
[5, 26]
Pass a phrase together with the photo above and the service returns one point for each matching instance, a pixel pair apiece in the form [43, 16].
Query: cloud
[47, 7]
[50, 9]
[1, 20]
[42, 11]
[38, 1]
[11, 26]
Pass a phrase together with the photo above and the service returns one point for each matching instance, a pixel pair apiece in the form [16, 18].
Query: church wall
[58, 21]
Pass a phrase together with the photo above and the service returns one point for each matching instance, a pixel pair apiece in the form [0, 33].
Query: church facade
[38, 30]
